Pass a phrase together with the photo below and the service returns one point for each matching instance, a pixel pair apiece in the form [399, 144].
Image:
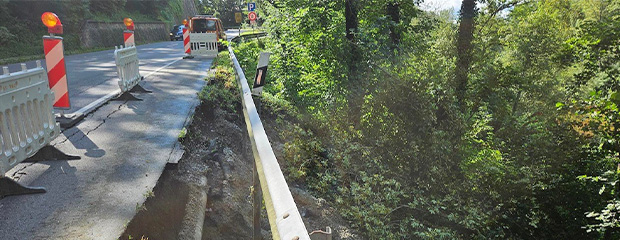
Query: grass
[222, 91]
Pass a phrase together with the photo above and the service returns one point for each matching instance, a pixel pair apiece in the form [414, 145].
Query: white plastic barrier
[27, 121]
[127, 66]
[203, 44]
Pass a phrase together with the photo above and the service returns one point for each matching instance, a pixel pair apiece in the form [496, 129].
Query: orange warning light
[128, 23]
[185, 22]
[52, 22]
[49, 19]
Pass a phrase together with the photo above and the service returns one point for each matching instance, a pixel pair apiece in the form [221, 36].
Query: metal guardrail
[27, 121]
[127, 66]
[284, 217]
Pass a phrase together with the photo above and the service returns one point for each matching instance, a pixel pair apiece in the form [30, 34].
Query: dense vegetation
[21, 29]
[500, 122]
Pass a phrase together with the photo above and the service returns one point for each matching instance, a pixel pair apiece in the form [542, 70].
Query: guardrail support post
[257, 204]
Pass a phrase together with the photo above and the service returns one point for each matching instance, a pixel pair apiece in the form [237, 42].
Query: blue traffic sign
[251, 7]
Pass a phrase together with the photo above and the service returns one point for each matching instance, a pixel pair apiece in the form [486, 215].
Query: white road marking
[105, 98]
[165, 66]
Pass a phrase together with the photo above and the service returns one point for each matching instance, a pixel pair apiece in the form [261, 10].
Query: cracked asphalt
[124, 147]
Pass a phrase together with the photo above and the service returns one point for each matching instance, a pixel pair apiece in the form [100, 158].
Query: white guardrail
[284, 217]
[203, 44]
[127, 66]
[27, 121]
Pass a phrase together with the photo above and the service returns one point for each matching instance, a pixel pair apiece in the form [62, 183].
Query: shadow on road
[82, 141]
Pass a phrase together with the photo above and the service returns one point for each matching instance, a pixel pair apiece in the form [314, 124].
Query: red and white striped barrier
[56, 71]
[129, 39]
[188, 50]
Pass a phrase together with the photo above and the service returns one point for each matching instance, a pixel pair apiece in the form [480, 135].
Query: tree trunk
[464, 49]
[355, 84]
[350, 14]
[394, 12]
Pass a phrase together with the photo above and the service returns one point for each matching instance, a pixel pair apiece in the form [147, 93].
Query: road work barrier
[129, 38]
[284, 217]
[203, 44]
[56, 71]
[188, 50]
[127, 66]
[27, 121]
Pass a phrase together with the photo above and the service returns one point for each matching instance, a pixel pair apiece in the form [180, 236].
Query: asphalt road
[92, 76]
[124, 148]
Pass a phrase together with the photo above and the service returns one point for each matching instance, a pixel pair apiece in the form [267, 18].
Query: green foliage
[222, 91]
[247, 54]
[21, 30]
[379, 132]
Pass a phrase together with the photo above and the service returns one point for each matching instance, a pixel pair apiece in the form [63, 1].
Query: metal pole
[257, 205]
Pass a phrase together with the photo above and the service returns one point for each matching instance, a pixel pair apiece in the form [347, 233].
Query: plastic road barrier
[203, 44]
[27, 121]
[127, 66]
[56, 71]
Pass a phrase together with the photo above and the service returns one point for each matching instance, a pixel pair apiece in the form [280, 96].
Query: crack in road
[96, 127]
[120, 107]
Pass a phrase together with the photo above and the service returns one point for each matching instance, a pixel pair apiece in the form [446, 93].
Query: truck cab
[208, 24]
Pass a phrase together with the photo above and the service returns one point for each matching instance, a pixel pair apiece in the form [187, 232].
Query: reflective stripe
[54, 55]
[60, 86]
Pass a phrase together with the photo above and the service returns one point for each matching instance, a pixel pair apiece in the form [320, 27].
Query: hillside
[21, 29]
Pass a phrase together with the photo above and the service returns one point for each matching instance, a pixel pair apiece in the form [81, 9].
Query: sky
[434, 5]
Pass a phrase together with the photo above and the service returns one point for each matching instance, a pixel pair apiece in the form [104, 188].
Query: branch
[501, 8]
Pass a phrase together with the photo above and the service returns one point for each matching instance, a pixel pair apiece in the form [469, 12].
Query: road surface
[124, 148]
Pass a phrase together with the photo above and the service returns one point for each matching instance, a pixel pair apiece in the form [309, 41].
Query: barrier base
[8, 187]
[66, 122]
[188, 57]
[139, 89]
[126, 96]
[51, 153]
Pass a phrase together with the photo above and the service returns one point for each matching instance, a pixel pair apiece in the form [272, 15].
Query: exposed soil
[217, 147]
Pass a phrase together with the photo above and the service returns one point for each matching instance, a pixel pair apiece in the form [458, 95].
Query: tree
[464, 49]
